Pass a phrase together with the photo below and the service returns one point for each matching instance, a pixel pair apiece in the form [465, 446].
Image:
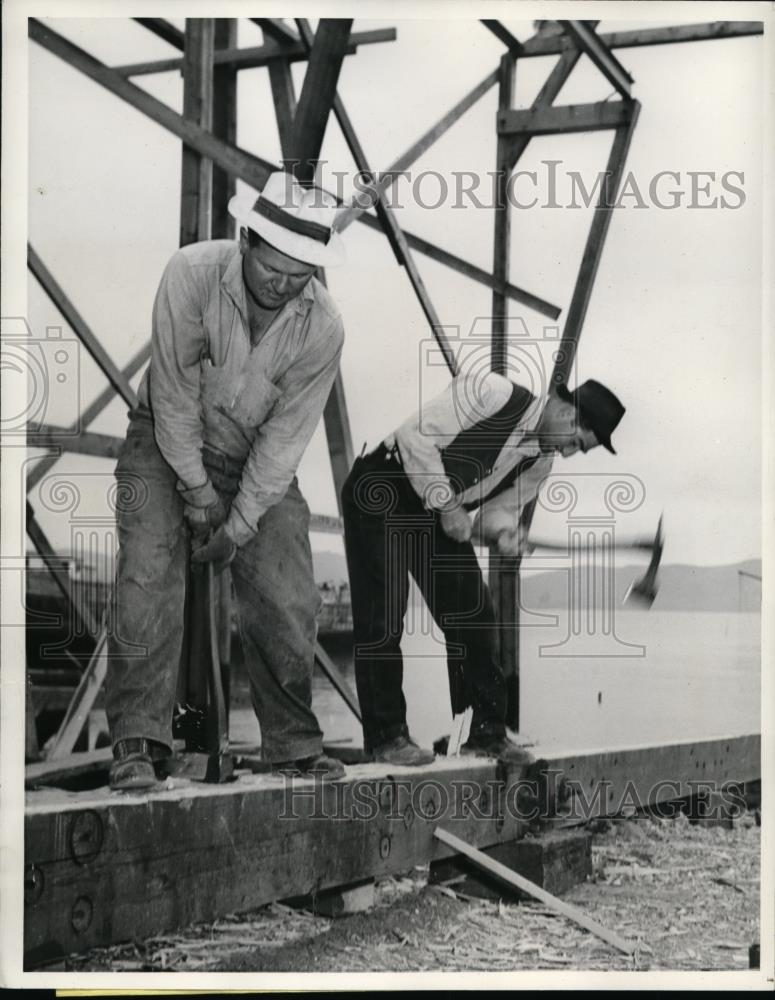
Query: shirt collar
[233, 284]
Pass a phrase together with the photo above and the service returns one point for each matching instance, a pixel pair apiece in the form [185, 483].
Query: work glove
[456, 524]
[219, 550]
[203, 520]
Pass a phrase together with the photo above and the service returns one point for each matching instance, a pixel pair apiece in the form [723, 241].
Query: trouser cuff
[277, 752]
[380, 737]
[141, 729]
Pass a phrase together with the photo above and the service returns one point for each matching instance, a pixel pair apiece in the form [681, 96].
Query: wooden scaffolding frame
[212, 161]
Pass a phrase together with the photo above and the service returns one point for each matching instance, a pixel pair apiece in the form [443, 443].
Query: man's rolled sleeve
[282, 439]
[176, 349]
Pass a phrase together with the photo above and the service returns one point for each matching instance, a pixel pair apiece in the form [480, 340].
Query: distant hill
[681, 587]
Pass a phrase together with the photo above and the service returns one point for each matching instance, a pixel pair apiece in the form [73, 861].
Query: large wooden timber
[260, 55]
[105, 867]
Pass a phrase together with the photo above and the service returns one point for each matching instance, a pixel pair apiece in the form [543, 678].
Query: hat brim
[302, 248]
[562, 392]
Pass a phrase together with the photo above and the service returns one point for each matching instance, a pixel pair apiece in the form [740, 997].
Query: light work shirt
[467, 400]
[206, 383]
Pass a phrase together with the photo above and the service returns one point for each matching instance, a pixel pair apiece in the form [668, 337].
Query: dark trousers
[388, 535]
[277, 603]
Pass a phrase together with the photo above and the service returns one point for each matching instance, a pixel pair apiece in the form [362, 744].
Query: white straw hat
[295, 220]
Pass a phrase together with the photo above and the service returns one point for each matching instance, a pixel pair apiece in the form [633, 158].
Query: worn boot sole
[132, 774]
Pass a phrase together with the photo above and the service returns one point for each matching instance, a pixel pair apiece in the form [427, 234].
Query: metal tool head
[644, 590]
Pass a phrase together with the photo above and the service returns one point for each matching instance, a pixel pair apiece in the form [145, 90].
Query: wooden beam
[503, 577]
[252, 169]
[565, 118]
[163, 29]
[257, 55]
[249, 168]
[636, 38]
[503, 34]
[276, 29]
[81, 443]
[196, 185]
[593, 250]
[284, 97]
[87, 417]
[387, 178]
[388, 222]
[318, 92]
[471, 271]
[224, 127]
[58, 573]
[82, 702]
[588, 41]
[74, 319]
[99, 865]
[504, 572]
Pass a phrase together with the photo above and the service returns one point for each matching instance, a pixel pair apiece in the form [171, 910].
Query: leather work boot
[319, 766]
[404, 752]
[505, 749]
[132, 767]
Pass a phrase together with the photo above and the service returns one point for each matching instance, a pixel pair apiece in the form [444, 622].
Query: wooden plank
[254, 56]
[591, 43]
[58, 572]
[565, 118]
[82, 443]
[196, 852]
[196, 184]
[525, 885]
[163, 29]
[638, 37]
[81, 703]
[74, 319]
[224, 127]
[503, 34]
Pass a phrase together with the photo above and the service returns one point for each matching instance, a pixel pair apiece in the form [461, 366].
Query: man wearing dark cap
[245, 348]
[483, 446]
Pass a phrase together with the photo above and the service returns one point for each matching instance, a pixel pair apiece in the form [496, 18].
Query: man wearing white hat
[245, 348]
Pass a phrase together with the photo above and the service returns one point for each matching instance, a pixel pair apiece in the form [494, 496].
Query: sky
[674, 324]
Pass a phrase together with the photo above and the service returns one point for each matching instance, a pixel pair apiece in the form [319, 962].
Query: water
[697, 676]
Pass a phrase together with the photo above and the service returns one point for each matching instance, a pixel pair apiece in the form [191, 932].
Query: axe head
[644, 590]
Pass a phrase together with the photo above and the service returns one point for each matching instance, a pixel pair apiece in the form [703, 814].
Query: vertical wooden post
[224, 126]
[300, 140]
[197, 171]
[504, 572]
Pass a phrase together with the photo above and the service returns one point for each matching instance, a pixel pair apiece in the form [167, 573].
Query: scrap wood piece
[525, 885]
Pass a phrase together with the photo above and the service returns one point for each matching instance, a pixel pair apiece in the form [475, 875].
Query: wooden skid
[103, 867]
